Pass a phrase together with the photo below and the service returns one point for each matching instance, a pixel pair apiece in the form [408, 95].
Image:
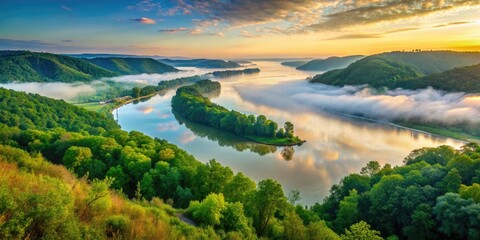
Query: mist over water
[336, 146]
[65, 91]
[426, 105]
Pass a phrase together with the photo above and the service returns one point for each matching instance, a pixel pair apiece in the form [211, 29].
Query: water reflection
[336, 145]
[225, 139]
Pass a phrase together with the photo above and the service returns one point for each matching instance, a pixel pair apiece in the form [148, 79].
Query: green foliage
[230, 73]
[458, 217]
[142, 168]
[25, 66]
[462, 79]
[132, 65]
[190, 103]
[264, 202]
[403, 69]
[32, 111]
[209, 211]
[293, 227]
[361, 231]
[470, 192]
[348, 211]
[424, 199]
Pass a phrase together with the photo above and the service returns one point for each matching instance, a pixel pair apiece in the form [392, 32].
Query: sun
[478, 21]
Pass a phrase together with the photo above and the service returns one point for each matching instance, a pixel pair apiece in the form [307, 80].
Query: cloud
[67, 41]
[426, 105]
[144, 20]
[168, 126]
[174, 30]
[306, 15]
[355, 13]
[65, 91]
[356, 36]
[154, 79]
[66, 8]
[451, 24]
[372, 35]
[247, 34]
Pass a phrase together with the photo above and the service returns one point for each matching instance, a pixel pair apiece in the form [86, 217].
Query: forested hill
[329, 63]
[132, 65]
[463, 79]
[32, 111]
[40, 200]
[388, 69]
[26, 66]
[201, 63]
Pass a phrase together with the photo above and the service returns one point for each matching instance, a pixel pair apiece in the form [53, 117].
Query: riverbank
[277, 141]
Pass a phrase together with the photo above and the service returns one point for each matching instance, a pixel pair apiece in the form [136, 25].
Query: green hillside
[125, 185]
[329, 63]
[25, 66]
[132, 65]
[463, 79]
[388, 69]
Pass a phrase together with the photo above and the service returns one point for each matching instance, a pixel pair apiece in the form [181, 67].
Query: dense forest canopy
[396, 69]
[225, 205]
[26, 66]
[132, 65]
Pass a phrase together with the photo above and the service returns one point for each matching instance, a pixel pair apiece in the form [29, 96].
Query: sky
[239, 28]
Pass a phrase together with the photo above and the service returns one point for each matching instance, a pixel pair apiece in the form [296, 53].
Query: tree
[371, 168]
[320, 231]
[209, 211]
[458, 217]
[233, 219]
[266, 200]
[451, 182]
[289, 131]
[293, 227]
[294, 196]
[361, 231]
[237, 189]
[75, 155]
[470, 192]
[136, 91]
[348, 211]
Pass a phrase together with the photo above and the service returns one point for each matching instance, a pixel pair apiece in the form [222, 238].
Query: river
[337, 144]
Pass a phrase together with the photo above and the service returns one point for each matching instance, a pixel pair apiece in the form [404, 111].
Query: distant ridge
[393, 68]
[201, 63]
[132, 65]
[26, 66]
[329, 63]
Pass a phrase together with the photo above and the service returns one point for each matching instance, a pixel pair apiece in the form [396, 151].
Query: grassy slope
[132, 65]
[25, 66]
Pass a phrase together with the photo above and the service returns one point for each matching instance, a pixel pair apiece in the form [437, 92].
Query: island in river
[191, 104]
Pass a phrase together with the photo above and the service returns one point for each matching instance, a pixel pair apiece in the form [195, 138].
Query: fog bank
[427, 105]
[65, 91]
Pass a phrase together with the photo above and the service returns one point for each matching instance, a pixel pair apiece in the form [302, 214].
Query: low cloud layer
[65, 91]
[154, 79]
[427, 105]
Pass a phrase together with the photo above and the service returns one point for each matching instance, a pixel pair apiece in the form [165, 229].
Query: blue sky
[239, 28]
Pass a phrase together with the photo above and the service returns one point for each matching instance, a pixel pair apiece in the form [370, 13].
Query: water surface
[336, 144]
